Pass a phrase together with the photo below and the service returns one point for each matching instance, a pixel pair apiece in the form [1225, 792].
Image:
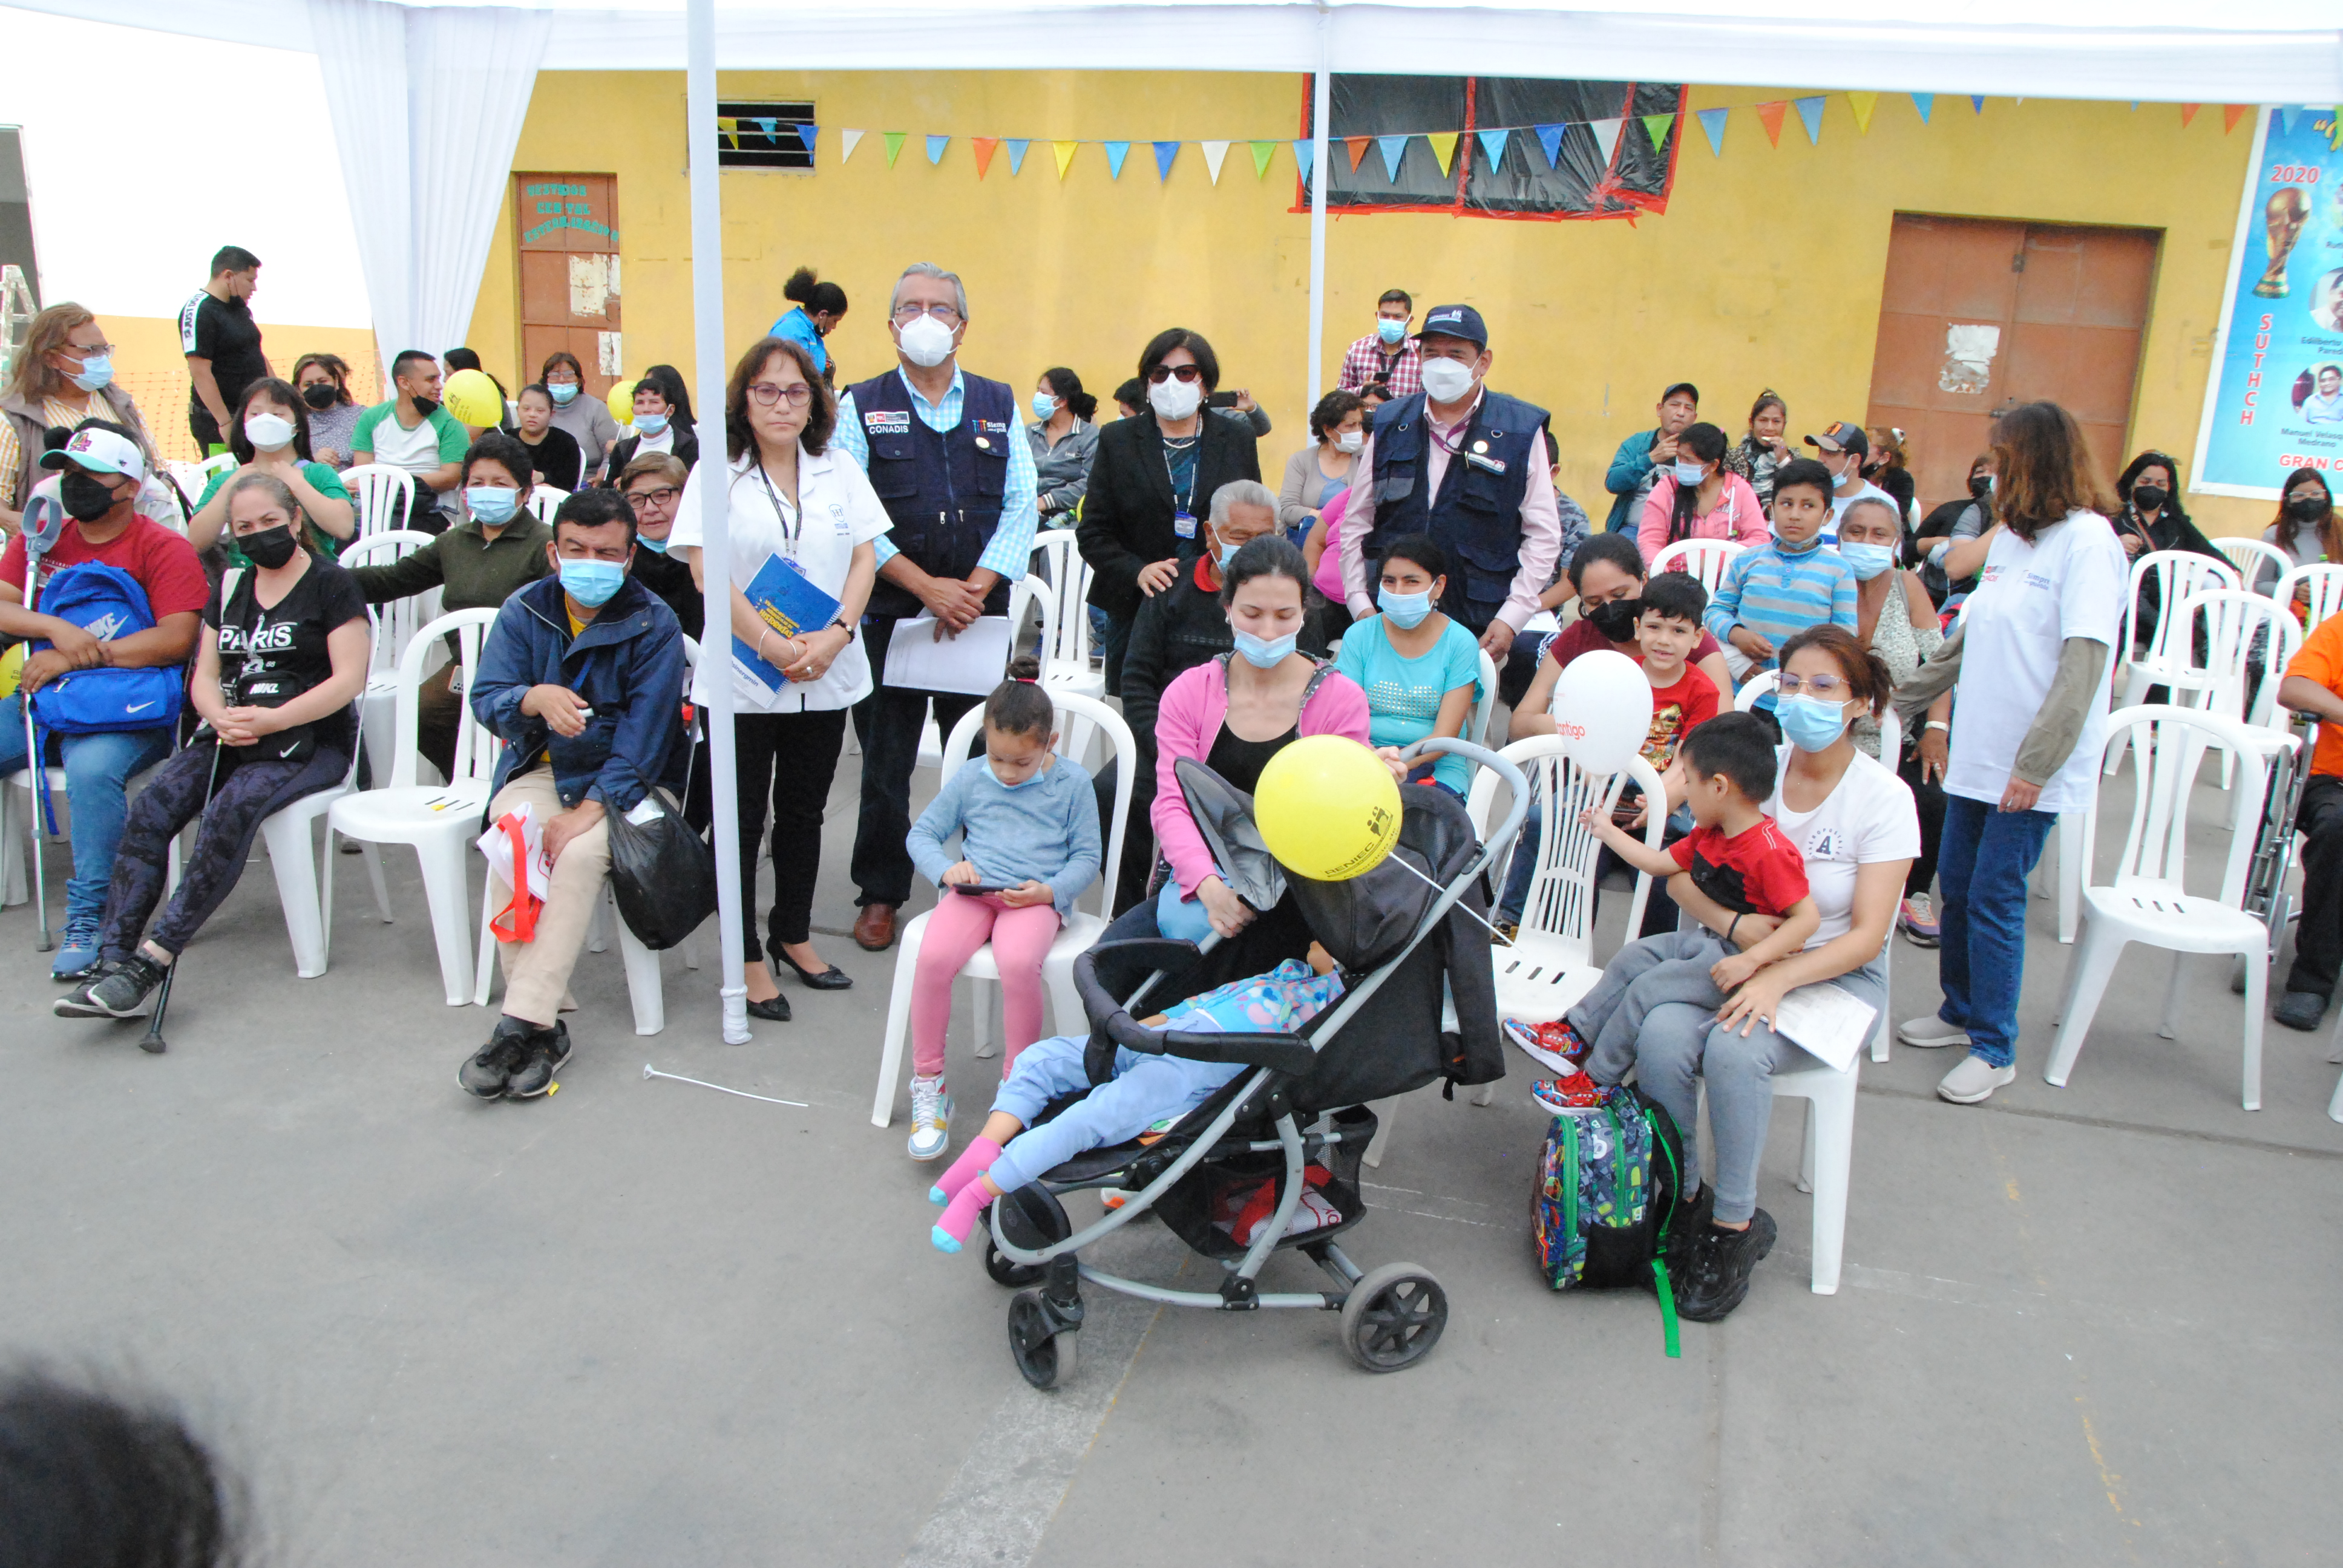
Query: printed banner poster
[2276, 399]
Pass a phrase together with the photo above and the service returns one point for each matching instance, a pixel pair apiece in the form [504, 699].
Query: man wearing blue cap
[1466, 466]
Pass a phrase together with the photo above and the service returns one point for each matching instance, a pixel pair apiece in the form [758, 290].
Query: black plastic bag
[663, 877]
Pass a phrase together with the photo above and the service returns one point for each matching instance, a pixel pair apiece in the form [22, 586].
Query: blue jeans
[1981, 870]
[98, 769]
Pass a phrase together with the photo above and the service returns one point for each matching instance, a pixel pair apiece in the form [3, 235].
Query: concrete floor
[640, 1322]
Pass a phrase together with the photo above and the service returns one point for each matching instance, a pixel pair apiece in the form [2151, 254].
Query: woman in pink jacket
[1699, 498]
[1233, 714]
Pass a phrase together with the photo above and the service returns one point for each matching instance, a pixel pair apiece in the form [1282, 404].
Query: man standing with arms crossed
[944, 451]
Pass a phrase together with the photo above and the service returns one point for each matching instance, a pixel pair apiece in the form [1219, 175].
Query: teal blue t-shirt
[1404, 695]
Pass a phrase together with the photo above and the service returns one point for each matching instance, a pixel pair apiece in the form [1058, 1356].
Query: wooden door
[1980, 316]
[566, 238]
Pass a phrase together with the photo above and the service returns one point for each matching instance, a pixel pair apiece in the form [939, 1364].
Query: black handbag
[662, 876]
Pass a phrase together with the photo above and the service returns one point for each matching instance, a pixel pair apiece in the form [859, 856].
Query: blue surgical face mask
[490, 505]
[96, 371]
[1044, 405]
[591, 583]
[656, 546]
[1390, 331]
[1262, 654]
[1687, 474]
[1404, 610]
[649, 424]
[1809, 723]
[1032, 778]
[563, 392]
[1868, 561]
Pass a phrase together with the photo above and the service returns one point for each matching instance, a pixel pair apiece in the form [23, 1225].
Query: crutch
[45, 519]
[151, 1043]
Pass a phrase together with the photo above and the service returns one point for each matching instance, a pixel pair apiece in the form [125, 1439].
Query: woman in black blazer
[1151, 481]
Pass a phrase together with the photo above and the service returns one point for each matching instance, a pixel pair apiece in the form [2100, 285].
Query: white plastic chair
[2252, 558]
[395, 621]
[1079, 932]
[1708, 560]
[384, 494]
[1066, 659]
[14, 869]
[2148, 901]
[2178, 574]
[1826, 1165]
[2324, 586]
[544, 501]
[1763, 683]
[440, 821]
[2239, 630]
[293, 859]
[212, 467]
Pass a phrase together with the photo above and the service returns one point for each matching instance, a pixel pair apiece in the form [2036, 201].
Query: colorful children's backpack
[1606, 1193]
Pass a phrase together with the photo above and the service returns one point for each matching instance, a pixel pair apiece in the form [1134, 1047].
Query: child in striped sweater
[1776, 589]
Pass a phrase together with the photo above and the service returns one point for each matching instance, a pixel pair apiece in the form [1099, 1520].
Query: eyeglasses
[911, 311]
[1829, 687]
[1163, 373]
[85, 350]
[663, 497]
[767, 393]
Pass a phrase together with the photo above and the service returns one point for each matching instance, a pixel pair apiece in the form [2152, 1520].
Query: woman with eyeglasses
[794, 500]
[1154, 476]
[324, 382]
[63, 375]
[583, 415]
[653, 487]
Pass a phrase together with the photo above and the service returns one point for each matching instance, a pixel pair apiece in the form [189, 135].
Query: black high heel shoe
[772, 1010]
[831, 979]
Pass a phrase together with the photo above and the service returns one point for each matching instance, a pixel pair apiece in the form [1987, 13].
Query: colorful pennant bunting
[1655, 128]
[2230, 114]
[1770, 116]
[1443, 147]
[1065, 151]
[985, 146]
[1550, 139]
[1924, 101]
[936, 146]
[1976, 103]
[1265, 151]
[1164, 153]
[1357, 148]
[1863, 104]
[1711, 121]
[1303, 155]
[2188, 113]
[1393, 149]
[1606, 136]
[1213, 153]
[1017, 145]
[847, 142]
[1492, 146]
[1810, 110]
[894, 140]
[1115, 153]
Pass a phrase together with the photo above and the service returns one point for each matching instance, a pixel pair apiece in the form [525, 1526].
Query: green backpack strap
[1660, 1243]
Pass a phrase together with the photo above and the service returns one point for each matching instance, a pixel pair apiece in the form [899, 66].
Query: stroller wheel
[1016, 1276]
[1043, 1356]
[1393, 1317]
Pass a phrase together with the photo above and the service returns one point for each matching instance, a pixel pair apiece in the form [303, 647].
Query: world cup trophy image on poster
[2283, 216]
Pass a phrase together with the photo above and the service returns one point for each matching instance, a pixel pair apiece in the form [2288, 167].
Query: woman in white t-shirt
[1857, 830]
[2033, 652]
[793, 501]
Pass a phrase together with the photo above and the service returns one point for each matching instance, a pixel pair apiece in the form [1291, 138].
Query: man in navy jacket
[582, 677]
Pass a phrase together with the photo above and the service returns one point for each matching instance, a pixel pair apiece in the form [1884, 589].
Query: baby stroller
[1419, 1004]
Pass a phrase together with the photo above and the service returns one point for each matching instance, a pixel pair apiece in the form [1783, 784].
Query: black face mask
[2306, 506]
[1868, 469]
[2149, 497]
[1980, 485]
[318, 395]
[86, 496]
[268, 548]
[427, 407]
[1615, 619]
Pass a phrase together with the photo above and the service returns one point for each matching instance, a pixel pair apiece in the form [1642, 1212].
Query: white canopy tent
[428, 102]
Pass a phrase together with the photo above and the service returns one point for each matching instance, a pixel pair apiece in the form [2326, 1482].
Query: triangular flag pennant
[985, 147]
[1443, 147]
[1657, 127]
[1770, 116]
[847, 142]
[1017, 145]
[936, 146]
[1164, 153]
[1065, 151]
[1115, 153]
[1713, 122]
[2230, 114]
[1550, 138]
[1923, 101]
[2188, 113]
[1358, 146]
[1213, 153]
[1301, 157]
[2285, 114]
[1606, 136]
[1262, 153]
[1810, 110]
[894, 140]
[807, 134]
[1976, 103]
[1492, 146]
[1393, 149]
[727, 131]
[1863, 104]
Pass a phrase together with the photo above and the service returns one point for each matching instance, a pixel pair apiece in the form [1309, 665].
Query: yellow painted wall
[148, 364]
[1766, 270]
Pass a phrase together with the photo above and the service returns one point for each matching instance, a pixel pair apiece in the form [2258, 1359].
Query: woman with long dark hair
[585, 416]
[2306, 527]
[324, 382]
[2152, 518]
[271, 436]
[1065, 439]
[1700, 498]
[1756, 455]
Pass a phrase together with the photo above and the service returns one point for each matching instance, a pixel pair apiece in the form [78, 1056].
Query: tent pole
[708, 352]
[1320, 103]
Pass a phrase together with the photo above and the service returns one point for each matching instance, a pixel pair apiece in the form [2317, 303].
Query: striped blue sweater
[1775, 593]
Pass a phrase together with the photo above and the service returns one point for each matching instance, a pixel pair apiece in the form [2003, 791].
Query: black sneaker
[126, 990]
[1716, 1275]
[1691, 1218]
[546, 1053]
[488, 1071]
[2301, 1009]
[76, 1003]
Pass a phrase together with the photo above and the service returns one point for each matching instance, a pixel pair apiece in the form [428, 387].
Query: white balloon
[1602, 711]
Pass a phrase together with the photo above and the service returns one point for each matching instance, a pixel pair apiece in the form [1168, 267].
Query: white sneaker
[931, 1109]
[1931, 1032]
[1974, 1081]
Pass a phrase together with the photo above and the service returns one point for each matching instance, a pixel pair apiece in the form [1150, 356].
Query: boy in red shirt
[1737, 856]
[1667, 634]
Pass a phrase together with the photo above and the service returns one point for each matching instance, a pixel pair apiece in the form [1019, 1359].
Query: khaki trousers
[537, 972]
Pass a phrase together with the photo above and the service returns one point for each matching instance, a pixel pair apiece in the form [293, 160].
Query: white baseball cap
[100, 452]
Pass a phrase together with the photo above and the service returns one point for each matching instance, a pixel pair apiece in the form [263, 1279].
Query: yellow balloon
[621, 399]
[1327, 808]
[474, 399]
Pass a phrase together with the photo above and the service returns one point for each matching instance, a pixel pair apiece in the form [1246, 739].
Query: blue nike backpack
[109, 603]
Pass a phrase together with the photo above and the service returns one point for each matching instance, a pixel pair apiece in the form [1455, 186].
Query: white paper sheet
[497, 845]
[1827, 1021]
[972, 663]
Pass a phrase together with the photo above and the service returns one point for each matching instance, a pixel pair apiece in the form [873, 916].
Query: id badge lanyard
[782, 514]
[1183, 512]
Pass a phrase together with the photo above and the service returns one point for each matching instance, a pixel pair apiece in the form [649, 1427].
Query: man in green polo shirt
[413, 432]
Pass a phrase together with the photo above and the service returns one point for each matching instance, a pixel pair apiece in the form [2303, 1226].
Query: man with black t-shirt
[222, 343]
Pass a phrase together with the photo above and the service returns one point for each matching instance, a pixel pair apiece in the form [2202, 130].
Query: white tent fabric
[427, 106]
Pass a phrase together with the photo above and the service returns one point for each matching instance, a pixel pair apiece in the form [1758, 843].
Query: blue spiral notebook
[790, 604]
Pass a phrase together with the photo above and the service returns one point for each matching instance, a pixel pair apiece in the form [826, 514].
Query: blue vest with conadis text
[1476, 517]
[942, 491]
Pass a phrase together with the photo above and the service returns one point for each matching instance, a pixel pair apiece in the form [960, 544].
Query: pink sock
[973, 1162]
[958, 1217]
